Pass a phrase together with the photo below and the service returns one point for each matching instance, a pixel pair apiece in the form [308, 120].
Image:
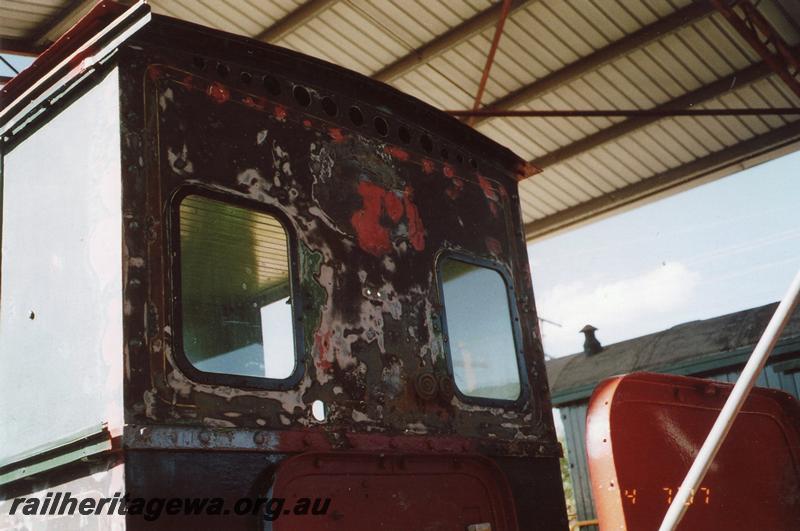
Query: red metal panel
[393, 492]
[101, 15]
[644, 430]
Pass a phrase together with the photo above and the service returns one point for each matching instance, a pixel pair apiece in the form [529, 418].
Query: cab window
[480, 335]
[235, 290]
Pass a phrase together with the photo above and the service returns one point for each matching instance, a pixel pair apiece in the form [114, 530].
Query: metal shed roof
[694, 348]
[553, 54]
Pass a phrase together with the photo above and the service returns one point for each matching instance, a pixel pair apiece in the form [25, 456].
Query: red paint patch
[336, 134]
[454, 190]
[253, 104]
[456, 184]
[372, 236]
[394, 206]
[323, 344]
[397, 153]
[279, 113]
[491, 194]
[494, 246]
[416, 232]
[307, 124]
[378, 204]
[218, 93]
[187, 81]
[488, 188]
[154, 73]
[428, 166]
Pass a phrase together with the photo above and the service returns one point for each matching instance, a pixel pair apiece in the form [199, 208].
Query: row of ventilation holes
[329, 106]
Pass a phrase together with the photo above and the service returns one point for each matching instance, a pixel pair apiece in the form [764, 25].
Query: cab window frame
[183, 362]
[516, 330]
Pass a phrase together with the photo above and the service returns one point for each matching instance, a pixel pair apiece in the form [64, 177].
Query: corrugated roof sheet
[551, 44]
[664, 351]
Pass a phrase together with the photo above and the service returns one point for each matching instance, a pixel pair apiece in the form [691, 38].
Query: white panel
[61, 308]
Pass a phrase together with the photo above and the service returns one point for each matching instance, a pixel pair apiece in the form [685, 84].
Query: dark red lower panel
[395, 492]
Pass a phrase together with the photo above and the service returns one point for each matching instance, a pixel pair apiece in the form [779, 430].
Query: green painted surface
[315, 296]
[60, 452]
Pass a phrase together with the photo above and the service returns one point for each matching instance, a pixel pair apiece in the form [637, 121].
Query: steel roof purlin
[446, 41]
[724, 162]
[294, 19]
[627, 44]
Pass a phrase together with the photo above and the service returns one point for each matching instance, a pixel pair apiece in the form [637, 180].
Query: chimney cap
[591, 345]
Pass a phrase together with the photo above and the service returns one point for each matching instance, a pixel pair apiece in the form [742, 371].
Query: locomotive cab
[264, 277]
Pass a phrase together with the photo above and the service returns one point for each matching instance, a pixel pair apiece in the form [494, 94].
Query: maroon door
[393, 492]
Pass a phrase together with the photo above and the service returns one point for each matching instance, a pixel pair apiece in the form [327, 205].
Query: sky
[19, 62]
[722, 247]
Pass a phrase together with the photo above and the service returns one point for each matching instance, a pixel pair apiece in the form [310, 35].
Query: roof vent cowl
[591, 345]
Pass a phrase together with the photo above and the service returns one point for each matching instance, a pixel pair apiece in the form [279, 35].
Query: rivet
[426, 385]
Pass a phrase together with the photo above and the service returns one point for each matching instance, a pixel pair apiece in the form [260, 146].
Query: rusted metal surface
[370, 214]
[661, 421]
[365, 346]
[296, 441]
[374, 193]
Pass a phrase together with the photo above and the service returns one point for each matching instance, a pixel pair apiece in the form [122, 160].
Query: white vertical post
[732, 406]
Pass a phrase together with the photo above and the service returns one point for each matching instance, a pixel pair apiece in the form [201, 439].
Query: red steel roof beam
[764, 39]
[498, 32]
